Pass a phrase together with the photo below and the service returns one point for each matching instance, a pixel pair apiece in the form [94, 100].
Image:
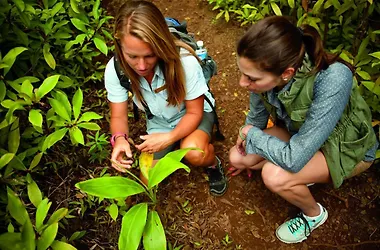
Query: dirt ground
[248, 214]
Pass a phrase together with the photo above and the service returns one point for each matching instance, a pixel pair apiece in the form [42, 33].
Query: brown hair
[275, 44]
[145, 21]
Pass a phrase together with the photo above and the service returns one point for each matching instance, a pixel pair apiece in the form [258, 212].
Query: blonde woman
[167, 82]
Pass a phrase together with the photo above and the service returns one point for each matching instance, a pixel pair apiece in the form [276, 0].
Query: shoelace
[297, 222]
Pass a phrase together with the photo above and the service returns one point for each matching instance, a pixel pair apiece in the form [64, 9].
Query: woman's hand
[154, 142]
[121, 156]
[241, 139]
[240, 147]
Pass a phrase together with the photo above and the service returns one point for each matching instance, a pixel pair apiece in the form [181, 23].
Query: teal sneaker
[299, 228]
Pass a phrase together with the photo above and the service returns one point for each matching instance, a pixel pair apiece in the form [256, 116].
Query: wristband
[117, 135]
[241, 135]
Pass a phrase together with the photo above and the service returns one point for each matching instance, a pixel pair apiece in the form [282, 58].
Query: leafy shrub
[49, 51]
[350, 28]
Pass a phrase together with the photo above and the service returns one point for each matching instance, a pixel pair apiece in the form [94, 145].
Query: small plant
[226, 240]
[97, 146]
[141, 220]
[28, 236]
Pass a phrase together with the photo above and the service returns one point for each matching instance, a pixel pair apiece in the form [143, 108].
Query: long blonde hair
[145, 21]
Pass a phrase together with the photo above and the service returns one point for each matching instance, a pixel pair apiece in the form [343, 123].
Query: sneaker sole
[219, 193]
[320, 223]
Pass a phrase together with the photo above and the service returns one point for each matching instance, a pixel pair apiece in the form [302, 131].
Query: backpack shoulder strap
[126, 83]
[124, 80]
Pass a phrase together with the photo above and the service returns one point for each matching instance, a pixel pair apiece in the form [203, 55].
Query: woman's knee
[274, 177]
[235, 157]
[195, 157]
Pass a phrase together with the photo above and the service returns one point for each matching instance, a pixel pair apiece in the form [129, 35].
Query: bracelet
[241, 135]
[117, 135]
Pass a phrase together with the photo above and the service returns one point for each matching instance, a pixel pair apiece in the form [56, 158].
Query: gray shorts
[206, 125]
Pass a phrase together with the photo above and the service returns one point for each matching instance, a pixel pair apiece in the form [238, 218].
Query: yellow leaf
[145, 163]
[235, 94]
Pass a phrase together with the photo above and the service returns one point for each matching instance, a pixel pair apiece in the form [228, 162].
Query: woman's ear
[288, 74]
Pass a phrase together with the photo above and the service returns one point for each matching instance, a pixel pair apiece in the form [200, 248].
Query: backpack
[208, 65]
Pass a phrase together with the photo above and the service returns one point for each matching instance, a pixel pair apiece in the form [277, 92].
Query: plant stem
[148, 191]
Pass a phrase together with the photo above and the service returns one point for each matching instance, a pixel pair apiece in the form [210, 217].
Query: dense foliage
[350, 28]
[47, 55]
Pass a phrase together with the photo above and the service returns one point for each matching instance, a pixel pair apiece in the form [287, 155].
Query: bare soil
[248, 213]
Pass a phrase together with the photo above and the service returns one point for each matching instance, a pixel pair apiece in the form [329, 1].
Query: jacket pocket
[354, 145]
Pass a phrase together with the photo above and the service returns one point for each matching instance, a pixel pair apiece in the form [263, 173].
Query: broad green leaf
[74, 6]
[167, 165]
[77, 103]
[375, 54]
[16, 208]
[3, 90]
[14, 137]
[20, 5]
[16, 163]
[336, 4]
[57, 7]
[60, 109]
[372, 87]
[28, 236]
[88, 116]
[132, 227]
[89, 125]
[35, 118]
[11, 241]
[11, 228]
[5, 159]
[291, 3]
[101, 45]
[227, 16]
[62, 98]
[49, 58]
[95, 10]
[154, 234]
[361, 50]
[47, 237]
[27, 88]
[34, 193]
[345, 57]
[35, 161]
[364, 75]
[79, 24]
[69, 45]
[76, 135]
[276, 9]
[110, 187]
[77, 235]
[57, 216]
[60, 245]
[48, 84]
[113, 210]
[10, 57]
[346, 6]
[41, 213]
[53, 138]
[317, 6]
[80, 38]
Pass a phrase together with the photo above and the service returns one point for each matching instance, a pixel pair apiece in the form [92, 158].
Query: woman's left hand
[154, 142]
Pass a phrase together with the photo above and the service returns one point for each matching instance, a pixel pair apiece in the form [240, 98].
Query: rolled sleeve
[258, 114]
[115, 92]
[195, 81]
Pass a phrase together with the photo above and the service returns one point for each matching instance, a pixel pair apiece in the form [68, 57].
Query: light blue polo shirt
[165, 117]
